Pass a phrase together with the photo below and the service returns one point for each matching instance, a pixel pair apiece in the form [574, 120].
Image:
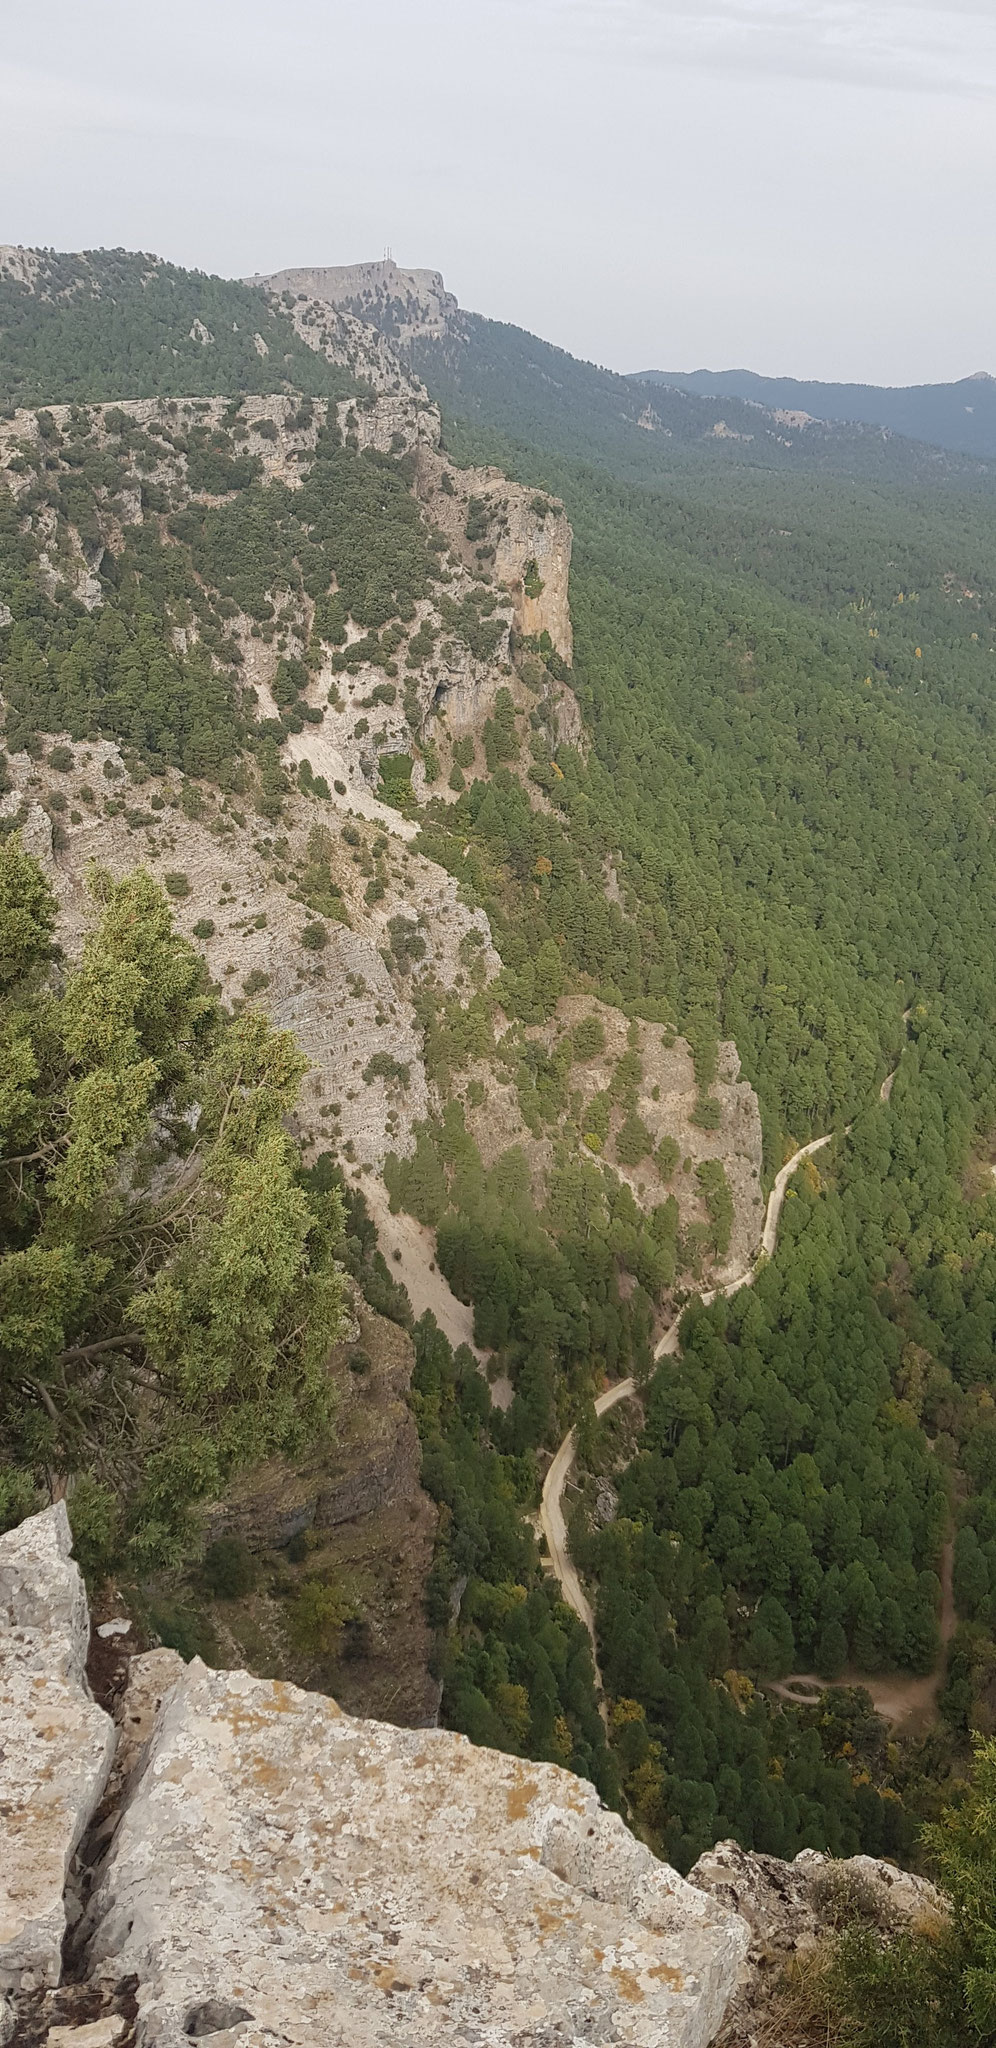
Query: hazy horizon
[797, 187]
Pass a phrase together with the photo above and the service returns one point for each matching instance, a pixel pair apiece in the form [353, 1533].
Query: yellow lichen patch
[520, 1797]
[284, 1704]
[387, 1980]
[629, 1985]
[548, 1922]
[667, 1975]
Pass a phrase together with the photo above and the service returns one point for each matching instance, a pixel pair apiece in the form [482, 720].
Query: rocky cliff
[402, 303]
[238, 1861]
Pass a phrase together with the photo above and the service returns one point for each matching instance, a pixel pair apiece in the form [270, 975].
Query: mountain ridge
[959, 416]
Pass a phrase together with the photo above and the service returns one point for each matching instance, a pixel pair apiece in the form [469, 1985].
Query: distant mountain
[508, 382]
[960, 417]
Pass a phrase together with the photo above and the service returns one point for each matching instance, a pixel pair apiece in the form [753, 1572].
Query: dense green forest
[790, 695]
[109, 324]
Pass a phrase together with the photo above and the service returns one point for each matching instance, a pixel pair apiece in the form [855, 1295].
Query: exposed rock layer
[55, 1744]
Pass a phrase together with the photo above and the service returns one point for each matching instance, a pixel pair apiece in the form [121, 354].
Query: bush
[62, 759]
[633, 1142]
[707, 1113]
[667, 1155]
[314, 936]
[205, 928]
[588, 1038]
[317, 1616]
[176, 883]
[383, 1066]
[229, 1570]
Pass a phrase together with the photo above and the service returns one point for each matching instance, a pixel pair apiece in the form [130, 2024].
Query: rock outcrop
[283, 1872]
[403, 304]
[522, 536]
[790, 1907]
[56, 1745]
[262, 1868]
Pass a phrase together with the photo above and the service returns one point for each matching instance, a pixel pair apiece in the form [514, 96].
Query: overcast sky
[799, 186]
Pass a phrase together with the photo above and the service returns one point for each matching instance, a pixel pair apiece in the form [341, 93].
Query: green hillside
[502, 379]
[110, 324]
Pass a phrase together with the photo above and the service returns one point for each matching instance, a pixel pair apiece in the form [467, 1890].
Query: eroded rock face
[56, 1745]
[289, 1873]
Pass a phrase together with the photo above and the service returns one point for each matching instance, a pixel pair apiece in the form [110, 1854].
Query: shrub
[317, 1616]
[62, 759]
[314, 936]
[588, 1038]
[176, 883]
[633, 1142]
[385, 1067]
[228, 1569]
[667, 1156]
[205, 928]
[707, 1113]
[255, 981]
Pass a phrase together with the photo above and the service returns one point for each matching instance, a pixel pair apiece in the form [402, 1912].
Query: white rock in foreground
[55, 1743]
[284, 1873]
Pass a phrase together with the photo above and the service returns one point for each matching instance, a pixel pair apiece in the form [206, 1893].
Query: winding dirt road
[551, 1513]
[896, 1699]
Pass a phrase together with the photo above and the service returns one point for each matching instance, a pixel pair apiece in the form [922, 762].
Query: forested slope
[789, 687]
[960, 416]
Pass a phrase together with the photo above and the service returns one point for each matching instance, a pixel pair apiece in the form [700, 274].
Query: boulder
[55, 1743]
[284, 1872]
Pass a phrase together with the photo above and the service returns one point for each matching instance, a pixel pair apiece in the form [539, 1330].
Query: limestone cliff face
[521, 536]
[55, 1745]
[263, 1868]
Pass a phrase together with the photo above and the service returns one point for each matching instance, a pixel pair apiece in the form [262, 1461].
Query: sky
[800, 187]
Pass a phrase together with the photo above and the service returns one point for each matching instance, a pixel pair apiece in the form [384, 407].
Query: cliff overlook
[239, 1862]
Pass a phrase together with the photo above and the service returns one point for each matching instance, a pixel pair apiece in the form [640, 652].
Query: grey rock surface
[284, 1873]
[55, 1743]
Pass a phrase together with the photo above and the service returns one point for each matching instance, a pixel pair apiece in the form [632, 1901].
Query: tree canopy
[168, 1286]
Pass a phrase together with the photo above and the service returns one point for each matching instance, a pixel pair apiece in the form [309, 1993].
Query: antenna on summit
[389, 254]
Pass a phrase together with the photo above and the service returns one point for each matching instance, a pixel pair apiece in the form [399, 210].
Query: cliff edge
[241, 1862]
